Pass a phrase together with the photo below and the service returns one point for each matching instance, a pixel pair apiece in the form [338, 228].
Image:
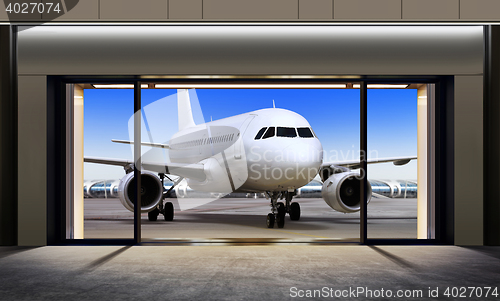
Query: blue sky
[332, 113]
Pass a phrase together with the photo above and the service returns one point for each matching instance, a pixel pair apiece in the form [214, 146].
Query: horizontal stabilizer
[159, 145]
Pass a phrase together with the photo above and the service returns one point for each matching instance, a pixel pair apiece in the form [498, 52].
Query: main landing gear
[168, 209]
[280, 209]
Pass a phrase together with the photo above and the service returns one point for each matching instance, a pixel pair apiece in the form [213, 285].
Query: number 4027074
[32, 8]
[471, 292]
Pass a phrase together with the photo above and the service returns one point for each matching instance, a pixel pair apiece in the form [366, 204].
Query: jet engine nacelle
[341, 191]
[151, 191]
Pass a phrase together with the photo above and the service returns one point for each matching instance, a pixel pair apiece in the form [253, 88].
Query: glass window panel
[286, 132]
[270, 133]
[107, 113]
[260, 133]
[393, 133]
[305, 132]
[198, 213]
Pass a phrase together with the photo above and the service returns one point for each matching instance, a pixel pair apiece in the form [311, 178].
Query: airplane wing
[159, 145]
[355, 164]
[192, 171]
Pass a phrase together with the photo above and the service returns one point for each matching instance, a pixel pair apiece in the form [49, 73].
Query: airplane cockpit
[289, 132]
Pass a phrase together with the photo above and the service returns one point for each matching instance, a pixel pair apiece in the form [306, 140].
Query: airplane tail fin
[185, 113]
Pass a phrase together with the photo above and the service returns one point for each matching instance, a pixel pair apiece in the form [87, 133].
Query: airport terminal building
[405, 93]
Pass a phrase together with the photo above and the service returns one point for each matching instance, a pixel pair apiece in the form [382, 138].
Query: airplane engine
[341, 192]
[151, 191]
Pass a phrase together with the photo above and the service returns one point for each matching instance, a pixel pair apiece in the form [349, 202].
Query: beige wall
[280, 10]
[32, 163]
[430, 10]
[468, 160]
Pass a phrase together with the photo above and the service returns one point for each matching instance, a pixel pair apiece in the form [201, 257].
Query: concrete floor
[241, 272]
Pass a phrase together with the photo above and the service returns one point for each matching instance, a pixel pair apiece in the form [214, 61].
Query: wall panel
[87, 10]
[185, 9]
[367, 9]
[133, 10]
[468, 160]
[430, 9]
[32, 161]
[255, 9]
[315, 9]
[3, 13]
[480, 10]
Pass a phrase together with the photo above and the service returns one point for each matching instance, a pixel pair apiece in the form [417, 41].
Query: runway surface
[244, 219]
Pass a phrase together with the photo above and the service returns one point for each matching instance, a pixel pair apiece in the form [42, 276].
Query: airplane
[273, 150]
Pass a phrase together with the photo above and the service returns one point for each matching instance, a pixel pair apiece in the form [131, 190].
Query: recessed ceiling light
[382, 86]
[250, 86]
[422, 97]
[78, 96]
[118, 86]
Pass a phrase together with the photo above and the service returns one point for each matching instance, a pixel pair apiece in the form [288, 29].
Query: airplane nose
[305, 154]
[292, 166]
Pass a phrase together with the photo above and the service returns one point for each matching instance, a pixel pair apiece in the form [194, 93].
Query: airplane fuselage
[264, 150]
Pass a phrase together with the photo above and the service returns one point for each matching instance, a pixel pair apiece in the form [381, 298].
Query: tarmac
[208, 220]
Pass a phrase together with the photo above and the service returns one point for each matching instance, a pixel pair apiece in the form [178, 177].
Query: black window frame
[443, 139]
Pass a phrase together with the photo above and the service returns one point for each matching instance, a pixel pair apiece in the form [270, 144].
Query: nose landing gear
[279, 209]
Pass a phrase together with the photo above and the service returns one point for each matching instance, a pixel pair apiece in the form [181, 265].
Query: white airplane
[270, 150]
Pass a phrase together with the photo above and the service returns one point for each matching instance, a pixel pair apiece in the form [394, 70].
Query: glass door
[398, 127]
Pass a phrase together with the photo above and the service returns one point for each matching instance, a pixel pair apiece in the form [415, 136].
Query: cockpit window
[260, 133]
[269, 133]
[287, 132]
[305, 132]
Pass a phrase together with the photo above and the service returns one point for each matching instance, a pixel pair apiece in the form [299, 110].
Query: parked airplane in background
[270, 150]
[382, 189]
